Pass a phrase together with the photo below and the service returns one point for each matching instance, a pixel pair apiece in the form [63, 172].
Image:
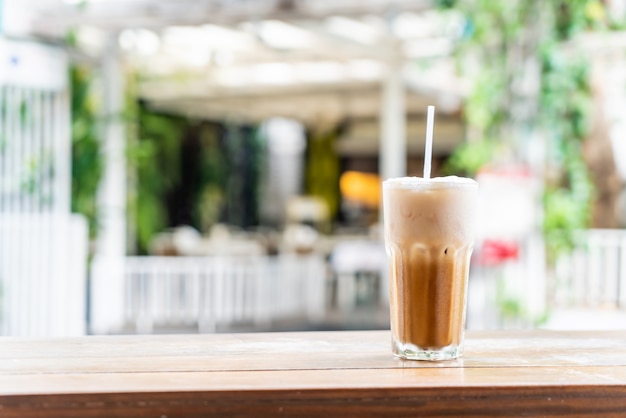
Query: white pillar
[112, 193]
[107, 293]
[393, 149]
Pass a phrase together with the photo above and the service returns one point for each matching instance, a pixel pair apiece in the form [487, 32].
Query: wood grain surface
[535, 373]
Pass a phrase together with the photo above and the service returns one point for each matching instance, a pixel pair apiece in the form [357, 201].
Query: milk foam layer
[438, 211]
[436, 182]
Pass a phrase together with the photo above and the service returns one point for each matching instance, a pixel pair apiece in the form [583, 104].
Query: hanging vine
[87, 160]
[503, 40]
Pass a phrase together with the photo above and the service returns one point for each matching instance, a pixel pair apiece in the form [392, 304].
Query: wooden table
[311, 374]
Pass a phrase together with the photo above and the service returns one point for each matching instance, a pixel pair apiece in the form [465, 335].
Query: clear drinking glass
[429, 236]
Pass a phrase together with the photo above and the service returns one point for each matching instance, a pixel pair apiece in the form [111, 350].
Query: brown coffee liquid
[429, 285]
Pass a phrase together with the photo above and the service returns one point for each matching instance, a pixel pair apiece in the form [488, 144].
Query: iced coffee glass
[429, 236]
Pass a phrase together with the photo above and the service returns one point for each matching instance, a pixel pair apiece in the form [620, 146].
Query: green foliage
[496, 32]
[243, 145]
[322, 169]
[512, 312]
[566, 108]
[87, 163]
[471, 157]
[484, 110]
[155, 158]
[508, 303]
[212, 174]
[190, 171]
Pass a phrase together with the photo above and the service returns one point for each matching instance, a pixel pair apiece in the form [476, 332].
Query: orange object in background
[363, 188]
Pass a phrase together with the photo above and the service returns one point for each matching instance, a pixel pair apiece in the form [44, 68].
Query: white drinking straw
[428, 152]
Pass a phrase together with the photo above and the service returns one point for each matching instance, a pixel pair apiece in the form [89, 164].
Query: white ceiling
[250, 59]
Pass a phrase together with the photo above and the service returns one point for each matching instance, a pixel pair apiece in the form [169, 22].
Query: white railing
[510, 292]
[43, 247]
[42, 275]
[213, 292]
[594, 274]
[588, 287]
[585, 289]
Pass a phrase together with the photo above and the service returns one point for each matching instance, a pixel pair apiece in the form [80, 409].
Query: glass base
[412, 352]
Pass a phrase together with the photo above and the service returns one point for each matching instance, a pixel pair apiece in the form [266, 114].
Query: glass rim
[419, 183]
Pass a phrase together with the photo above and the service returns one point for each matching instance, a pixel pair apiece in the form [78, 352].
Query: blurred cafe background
[215, 165]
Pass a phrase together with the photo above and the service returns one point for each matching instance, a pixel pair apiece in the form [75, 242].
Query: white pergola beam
[108, 306]
[117, 15]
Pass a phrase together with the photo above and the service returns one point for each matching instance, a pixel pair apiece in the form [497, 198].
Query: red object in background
[494, 252]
